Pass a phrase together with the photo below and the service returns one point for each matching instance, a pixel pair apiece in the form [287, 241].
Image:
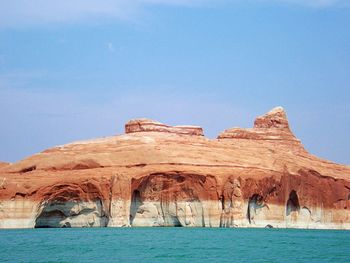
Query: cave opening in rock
[169, 199]
[255, 202]
[57, 214]
[71, 205]
[173, 221]
[49, 219]
[292, 203]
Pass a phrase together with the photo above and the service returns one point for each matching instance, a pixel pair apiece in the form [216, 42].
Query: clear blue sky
[80, 69]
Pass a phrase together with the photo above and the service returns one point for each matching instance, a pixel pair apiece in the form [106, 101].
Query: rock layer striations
[159, 175]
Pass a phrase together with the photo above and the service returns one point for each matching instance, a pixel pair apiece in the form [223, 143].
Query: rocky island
[160, 175]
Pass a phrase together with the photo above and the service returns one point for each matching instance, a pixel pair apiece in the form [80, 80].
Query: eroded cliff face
[174, 199]
[158, 175]
[72, 205]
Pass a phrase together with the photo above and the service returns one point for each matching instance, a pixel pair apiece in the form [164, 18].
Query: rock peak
[272, 126]
[276, 118]
[148, 125]
[276, 110]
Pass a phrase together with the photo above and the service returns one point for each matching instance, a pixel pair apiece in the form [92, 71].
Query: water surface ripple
[174, 245]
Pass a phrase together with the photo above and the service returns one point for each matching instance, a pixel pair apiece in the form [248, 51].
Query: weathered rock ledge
[159, 175]
[146, 125]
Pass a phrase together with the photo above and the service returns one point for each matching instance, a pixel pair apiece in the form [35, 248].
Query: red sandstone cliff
[158, 175]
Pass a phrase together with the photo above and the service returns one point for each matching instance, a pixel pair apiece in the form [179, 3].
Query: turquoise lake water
[174, 245]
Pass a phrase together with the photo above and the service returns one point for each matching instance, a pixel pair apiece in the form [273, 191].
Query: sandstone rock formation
[3, 164]
[158, 175]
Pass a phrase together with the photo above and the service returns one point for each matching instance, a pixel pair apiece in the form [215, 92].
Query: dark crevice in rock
[222, 200]
[28, 169]
[255, 202]
[292, 203]
[20, 194]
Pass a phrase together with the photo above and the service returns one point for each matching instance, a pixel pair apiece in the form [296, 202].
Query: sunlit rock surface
[158, 175]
